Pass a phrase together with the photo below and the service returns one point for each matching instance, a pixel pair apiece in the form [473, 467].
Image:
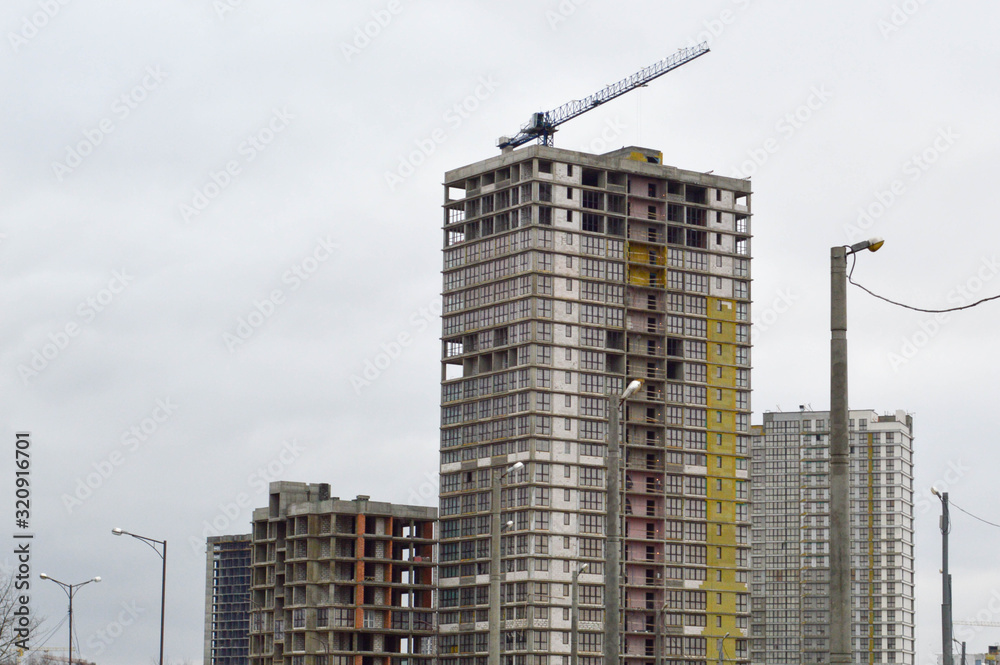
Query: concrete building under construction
[341, 582]
[566, 276]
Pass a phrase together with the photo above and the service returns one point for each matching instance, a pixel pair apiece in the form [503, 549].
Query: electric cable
[916, 309]
[952, 503]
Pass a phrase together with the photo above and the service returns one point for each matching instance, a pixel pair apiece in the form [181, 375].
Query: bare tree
[17, 624]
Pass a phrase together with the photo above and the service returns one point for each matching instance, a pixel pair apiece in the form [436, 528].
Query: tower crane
[543, 124]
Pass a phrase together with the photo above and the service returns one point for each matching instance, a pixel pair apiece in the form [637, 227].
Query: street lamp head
[584, 567]
[872, 245]
[117, 531]
[516, 466]
[934, 491]
[43, 576]
[632, 388]
[97, 579]
[509, 524]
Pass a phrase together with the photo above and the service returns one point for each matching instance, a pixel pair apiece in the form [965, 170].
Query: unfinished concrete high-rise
[790, 578]
[341, 582]
[566, 276]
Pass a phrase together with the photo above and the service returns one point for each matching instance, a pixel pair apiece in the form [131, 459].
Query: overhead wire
[43, 640]
[952, 503]
[916, 309]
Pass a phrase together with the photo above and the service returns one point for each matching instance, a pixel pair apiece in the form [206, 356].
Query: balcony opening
[696, 194]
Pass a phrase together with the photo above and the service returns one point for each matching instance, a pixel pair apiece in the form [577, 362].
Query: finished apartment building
[227, 600]
[341, 582]
[790, 562]
[566, 276]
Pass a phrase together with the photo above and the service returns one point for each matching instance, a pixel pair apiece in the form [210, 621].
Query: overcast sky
[217, 213]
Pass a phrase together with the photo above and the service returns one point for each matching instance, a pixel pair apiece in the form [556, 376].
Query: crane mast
[543, 124]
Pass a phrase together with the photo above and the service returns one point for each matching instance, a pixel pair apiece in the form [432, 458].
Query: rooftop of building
[234, 538]
[871, 417]
[296, 498]
[633, 159]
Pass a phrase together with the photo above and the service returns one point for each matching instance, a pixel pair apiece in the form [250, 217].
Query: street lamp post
[152, 542]
[946, 626]
[70, 590]
[437, 637]
[612, 597]
[961, 644]
[574, 616]
[840, 479]
[721, 647]
[494, 615]
[661, 629]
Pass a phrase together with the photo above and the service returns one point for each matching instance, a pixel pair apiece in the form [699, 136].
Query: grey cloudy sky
[170, 169]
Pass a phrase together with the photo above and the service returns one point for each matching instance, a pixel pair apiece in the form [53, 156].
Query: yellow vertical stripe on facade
[721, 402]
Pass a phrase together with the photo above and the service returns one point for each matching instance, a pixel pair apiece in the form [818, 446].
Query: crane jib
[543, 124]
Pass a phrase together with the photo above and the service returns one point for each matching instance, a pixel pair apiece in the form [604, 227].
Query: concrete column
[946, 624]
[840, 513]
[494, 615]
[574, 616]
[612, 600]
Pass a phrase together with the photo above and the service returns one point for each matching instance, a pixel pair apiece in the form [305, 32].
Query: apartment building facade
[227, 600]
[790, 578]
[566, 276]
[339, 582]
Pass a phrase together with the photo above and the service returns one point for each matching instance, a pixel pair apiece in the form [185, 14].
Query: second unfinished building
[341, 582]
